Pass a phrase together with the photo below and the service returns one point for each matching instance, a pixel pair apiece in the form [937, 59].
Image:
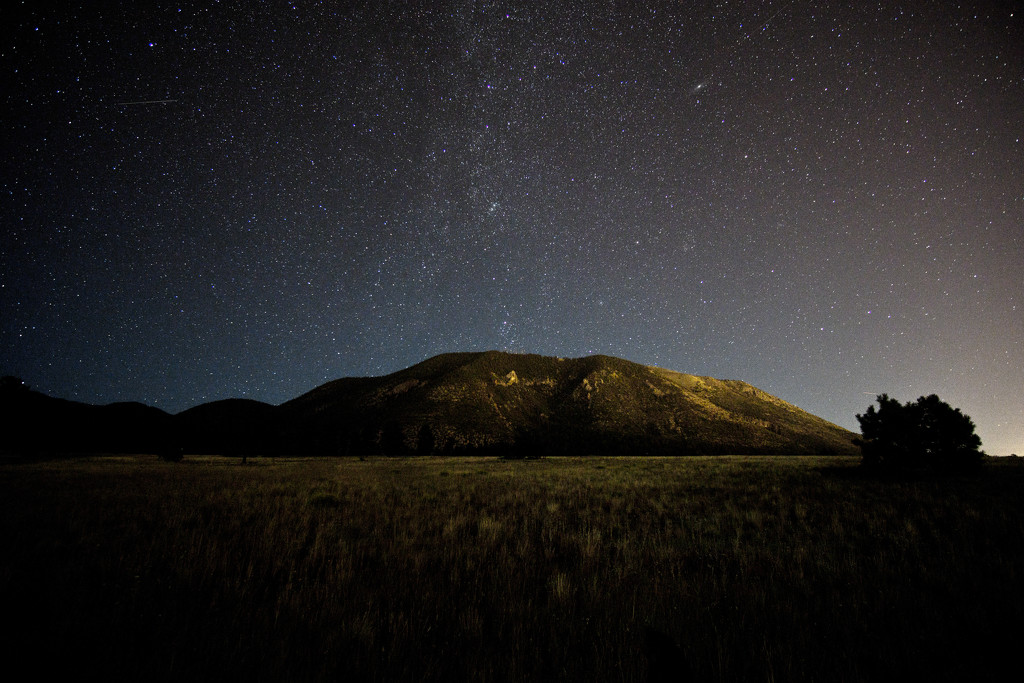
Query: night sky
[243, 199]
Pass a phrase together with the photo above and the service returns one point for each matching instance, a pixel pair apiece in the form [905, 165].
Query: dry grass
[486, 570]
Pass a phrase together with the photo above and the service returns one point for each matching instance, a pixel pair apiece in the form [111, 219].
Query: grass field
[704, 569]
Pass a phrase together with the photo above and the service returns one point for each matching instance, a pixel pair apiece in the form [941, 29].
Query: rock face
[509, 379]
[521, 404]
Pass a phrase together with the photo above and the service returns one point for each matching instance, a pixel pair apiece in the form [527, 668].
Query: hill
[234, 426]
[490, 402]
[526, 404]
[38, 423]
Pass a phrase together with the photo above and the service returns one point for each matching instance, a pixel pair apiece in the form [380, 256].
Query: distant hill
[519, 405]
[35, 423]
[234, 426]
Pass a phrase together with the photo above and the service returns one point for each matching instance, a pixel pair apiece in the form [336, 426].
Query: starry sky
[248, 199]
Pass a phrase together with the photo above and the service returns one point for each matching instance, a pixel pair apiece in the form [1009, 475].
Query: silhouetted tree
[172, 451]
[392, 439]
[425, 441]
[927, 433]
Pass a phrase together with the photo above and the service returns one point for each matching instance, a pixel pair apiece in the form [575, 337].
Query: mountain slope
[229, 426]
[471, 403]
[529, 404]
[37, 423]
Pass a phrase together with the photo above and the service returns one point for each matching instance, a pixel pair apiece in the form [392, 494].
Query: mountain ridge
[484, 402]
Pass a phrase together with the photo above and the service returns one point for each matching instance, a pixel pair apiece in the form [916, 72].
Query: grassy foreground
[706, 569]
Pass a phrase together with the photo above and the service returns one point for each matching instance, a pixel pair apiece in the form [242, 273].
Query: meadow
[448, 569]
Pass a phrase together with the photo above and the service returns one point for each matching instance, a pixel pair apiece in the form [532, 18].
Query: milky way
[216, 200]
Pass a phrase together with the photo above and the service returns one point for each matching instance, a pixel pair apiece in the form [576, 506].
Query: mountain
[520, 405]
[231, 426]
[493, 402]
[38, 423]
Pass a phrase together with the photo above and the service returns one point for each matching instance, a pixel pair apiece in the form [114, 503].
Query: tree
[923, 434]
[425, 442]
[392, 439]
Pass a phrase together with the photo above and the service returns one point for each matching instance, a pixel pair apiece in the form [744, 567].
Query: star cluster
[211, 200]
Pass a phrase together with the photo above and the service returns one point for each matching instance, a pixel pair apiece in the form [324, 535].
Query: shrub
[172, 454]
